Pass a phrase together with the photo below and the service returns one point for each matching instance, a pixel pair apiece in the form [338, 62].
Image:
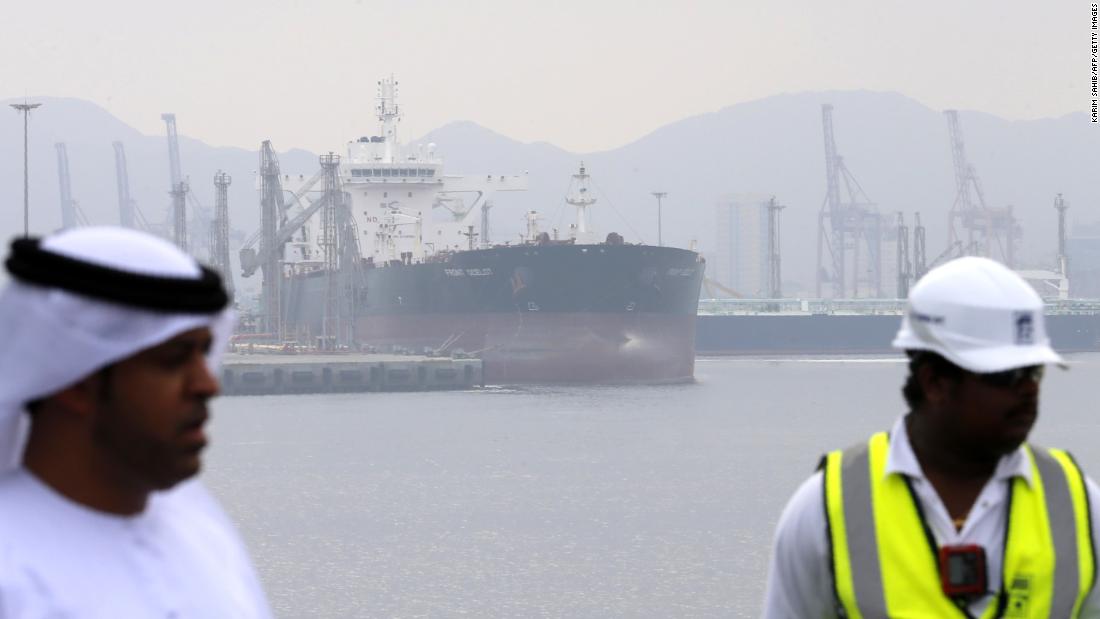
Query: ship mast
[389, 114]
[580, 198]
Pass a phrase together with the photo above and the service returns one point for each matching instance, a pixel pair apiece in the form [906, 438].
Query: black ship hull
[532, 313]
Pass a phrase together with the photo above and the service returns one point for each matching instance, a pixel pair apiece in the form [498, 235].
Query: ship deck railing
[860, 307]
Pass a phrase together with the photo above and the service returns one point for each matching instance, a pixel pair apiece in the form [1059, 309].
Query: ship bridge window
[356, 172]
[378, 172]
[431, 172]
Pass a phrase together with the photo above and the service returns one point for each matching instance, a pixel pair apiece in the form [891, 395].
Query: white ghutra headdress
[85, 298]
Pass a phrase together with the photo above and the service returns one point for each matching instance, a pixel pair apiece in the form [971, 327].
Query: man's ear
[81, 398]
[936, 386]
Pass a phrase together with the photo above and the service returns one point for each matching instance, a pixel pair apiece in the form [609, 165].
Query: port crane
[848, 224]
[973, 227]
[71, 213]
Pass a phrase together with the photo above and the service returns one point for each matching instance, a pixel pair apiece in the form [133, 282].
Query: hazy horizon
[585, 77]
[370, 127]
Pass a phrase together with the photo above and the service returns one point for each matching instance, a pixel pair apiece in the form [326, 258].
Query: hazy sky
[583, 75]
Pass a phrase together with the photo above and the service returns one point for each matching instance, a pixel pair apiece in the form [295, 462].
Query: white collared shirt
[180, 558]
[800, 582]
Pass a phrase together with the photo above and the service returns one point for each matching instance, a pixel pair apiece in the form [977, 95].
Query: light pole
[659, 195]
[25, 108]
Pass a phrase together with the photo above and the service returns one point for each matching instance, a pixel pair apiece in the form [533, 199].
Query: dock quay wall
[278, 374]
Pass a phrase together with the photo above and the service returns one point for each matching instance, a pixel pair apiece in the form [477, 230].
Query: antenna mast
[775, 277]
[905, 267]
[389, 114]
[219, 232]
[659, 195]
[271, 213]
[582, 199]
[1063, 258]
[920, 260]
[330, 235]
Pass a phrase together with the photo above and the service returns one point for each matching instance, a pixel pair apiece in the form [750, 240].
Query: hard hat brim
[997, 359]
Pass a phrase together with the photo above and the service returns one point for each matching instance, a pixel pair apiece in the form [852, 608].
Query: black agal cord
[31, 264]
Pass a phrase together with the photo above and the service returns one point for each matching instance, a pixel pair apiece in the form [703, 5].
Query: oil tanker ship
[391, 254]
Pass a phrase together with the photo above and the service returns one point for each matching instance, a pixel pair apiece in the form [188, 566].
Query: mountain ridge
[896, 147]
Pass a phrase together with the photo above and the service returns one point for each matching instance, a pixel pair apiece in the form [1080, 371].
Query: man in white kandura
[951, 513]
[109, 339]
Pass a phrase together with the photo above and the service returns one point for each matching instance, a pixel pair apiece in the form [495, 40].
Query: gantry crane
[973, 227]
[848, 224]
[179, 188]
[129, 214]
[71, 215]
[126, 216]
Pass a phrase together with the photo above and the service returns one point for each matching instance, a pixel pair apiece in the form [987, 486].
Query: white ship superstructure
[402, 203]
[581, 198]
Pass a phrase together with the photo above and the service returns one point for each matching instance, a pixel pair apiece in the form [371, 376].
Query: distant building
[741, 252]
[1083, 253]
[889, 258]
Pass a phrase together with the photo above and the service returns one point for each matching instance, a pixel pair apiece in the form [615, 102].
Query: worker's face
[987, 419]
[153, 408]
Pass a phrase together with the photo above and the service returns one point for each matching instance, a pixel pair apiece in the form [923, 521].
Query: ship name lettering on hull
[468, 272]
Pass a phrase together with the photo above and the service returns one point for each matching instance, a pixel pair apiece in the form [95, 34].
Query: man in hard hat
[108, 344]
[952, 513]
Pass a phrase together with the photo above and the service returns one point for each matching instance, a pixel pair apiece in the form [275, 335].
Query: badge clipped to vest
[962, 571]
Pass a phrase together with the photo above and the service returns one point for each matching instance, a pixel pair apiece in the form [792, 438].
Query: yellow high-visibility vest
[885, 560]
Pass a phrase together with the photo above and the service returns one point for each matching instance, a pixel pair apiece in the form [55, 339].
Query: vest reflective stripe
[884, 567]
[848, 497]
[1070, 527]
[1063, 531]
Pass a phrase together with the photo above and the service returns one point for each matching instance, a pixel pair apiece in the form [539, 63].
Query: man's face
[153, 409]
[990, 420]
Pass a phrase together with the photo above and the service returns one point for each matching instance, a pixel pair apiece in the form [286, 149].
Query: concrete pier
[270, 374]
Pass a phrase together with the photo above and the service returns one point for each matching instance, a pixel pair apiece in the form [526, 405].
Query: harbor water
[595, 501]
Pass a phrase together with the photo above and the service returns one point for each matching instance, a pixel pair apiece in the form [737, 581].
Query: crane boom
[122, 181]
[295, 199]
[175, 174]
[71, 215]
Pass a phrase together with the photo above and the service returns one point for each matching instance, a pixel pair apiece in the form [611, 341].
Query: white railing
[895, 307]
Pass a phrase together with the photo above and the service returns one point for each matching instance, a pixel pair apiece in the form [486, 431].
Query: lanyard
[1002, 596]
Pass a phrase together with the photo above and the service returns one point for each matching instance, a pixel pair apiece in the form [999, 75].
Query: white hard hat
[979, 315]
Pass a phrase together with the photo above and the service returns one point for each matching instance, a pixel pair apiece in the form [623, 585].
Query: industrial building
[741, 249]
[1083, 253]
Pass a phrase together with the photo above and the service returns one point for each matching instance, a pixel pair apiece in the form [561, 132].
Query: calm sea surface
[557, 501]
